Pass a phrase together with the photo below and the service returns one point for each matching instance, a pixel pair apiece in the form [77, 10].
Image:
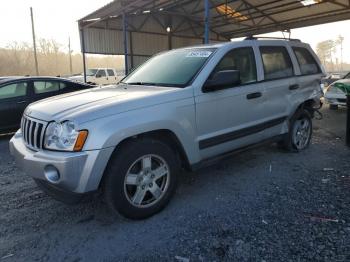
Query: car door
[309, 74]
[231, 118]
[14, 98]
[45, 88]
[279, 79]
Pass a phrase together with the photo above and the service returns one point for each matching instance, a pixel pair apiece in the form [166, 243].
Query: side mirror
[98, 76]
[221, 80]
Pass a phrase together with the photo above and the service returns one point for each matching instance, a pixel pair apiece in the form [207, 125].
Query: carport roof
[228, 18]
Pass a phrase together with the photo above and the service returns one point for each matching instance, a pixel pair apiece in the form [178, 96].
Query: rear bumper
[77, 172]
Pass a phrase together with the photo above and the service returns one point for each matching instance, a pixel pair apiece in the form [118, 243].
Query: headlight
[64, 137]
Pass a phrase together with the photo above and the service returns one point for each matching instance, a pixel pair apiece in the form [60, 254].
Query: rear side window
[241, 59]
[307, 62]
[101, 73]
[63, 85]
[41, 87]
[110, 72]
[276, 61]
[13, 90]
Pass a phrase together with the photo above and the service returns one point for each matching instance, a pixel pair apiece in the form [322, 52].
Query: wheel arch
[308, 105]
[164, 135]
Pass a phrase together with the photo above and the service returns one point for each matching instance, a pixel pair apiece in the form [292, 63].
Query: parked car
[334, 96]
[331, 78]
[131, 140]
[16, 93]
[99, 76]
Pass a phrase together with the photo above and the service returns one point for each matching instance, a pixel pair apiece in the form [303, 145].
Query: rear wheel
[140, 178]
[300, 132]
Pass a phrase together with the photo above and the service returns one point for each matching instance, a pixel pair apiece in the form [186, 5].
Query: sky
[53, 20]
[58, 20]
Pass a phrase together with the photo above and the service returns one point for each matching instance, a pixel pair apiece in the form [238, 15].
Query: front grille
[33, 132]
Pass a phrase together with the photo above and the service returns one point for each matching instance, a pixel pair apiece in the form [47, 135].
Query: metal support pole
[125, 33]
[170, 45]
[83, 51]
[206, 21]
[34, 43]
[348, 120]
[131, 51]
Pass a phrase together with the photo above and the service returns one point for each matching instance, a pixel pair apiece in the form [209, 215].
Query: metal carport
[141, 28]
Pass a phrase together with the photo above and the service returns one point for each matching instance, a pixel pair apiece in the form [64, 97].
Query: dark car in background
[16, 93]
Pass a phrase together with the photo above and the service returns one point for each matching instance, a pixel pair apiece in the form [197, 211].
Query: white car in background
[99, 76]
[334, 96]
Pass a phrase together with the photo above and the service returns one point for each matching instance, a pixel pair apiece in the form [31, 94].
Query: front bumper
[79, 172]
[335, 99]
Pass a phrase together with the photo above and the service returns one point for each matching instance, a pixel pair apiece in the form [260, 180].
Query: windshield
[174, 68]
[91, 72]
[347, 76]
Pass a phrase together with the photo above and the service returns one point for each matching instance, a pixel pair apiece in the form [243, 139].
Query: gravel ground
[261, 205]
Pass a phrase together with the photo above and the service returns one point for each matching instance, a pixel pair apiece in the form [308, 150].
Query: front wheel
[140, 178]
[300, 132]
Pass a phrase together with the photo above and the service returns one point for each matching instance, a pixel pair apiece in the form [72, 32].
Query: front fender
[177, 117]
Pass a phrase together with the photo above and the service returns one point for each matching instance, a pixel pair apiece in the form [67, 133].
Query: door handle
[293, 87]
[254, 95]
[21, 102]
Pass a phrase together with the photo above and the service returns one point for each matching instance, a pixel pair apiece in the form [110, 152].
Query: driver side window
[241, 59]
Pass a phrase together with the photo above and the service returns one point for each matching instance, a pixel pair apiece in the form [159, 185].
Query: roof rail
[267, 37]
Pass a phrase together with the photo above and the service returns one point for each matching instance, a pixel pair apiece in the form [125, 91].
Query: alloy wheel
[146, 181]
[301, 133]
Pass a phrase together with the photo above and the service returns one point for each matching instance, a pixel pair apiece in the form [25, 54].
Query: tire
[333, 107]
[141, 178]
[300, 132]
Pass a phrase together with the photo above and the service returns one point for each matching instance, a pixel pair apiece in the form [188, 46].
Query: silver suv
[179, 109]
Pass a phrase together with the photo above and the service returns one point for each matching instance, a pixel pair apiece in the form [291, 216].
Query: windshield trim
[188, 83]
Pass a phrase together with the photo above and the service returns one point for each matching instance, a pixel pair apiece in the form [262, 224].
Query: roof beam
[281, 11]
[260, 11]
[256, 12]
[286, 23]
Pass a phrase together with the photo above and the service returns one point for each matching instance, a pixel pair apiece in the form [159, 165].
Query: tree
[17, 59]
[325, 51]
[339, 42]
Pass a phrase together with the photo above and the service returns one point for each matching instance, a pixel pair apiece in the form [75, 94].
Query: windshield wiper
[152, 84]
[142, 84]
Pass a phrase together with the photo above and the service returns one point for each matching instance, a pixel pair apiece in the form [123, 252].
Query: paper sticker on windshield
[199, 54]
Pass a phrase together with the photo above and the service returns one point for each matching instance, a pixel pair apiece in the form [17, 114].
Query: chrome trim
[36, 134]
[31, 131]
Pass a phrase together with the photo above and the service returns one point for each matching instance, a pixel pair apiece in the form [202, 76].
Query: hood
[99, 102]
[344, 81]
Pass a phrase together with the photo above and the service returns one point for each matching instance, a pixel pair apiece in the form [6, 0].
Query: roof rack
[267, 37]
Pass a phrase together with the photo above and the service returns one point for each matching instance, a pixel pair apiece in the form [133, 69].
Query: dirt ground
[260, 205]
